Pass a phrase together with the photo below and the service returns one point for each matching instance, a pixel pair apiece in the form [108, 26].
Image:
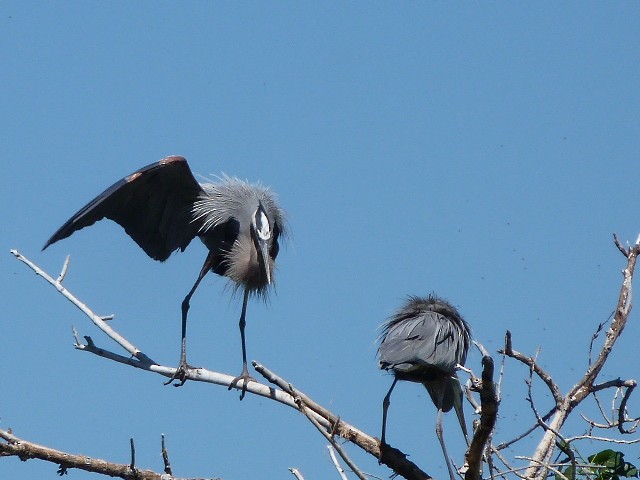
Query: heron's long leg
[242, 324]
[385, 406]
[439, 434]
[244, 376]
[181, 371]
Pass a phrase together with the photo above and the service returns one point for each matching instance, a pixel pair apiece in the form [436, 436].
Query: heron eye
[263, 228]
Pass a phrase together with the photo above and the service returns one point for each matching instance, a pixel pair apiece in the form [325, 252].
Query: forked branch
[539, 462]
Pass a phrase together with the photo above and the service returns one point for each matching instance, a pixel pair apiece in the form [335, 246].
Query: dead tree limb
[393, 458]
[531, 363]
[538, 465]
[26, 450]
[489, 412]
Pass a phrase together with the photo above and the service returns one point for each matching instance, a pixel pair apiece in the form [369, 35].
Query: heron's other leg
[244, 376]
[439, 435]
[457, 405]
[181, 372]
[385, 406]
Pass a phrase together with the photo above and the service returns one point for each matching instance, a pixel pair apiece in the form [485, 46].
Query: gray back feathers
[423, 342]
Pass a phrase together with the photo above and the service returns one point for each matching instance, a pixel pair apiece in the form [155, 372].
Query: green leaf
[614, 466]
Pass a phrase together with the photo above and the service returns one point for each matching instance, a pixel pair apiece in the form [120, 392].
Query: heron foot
[245, 377]
[180, 375]
[386, 452]
[383, 447]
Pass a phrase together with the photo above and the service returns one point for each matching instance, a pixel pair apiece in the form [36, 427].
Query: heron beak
[263, 248]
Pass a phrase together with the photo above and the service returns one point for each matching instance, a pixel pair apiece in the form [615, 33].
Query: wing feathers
[153, 205]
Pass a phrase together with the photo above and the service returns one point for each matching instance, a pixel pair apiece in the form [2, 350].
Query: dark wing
[153, 205]
[445, 392]
[428, 340]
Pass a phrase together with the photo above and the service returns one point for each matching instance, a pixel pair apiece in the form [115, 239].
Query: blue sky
[484, 152]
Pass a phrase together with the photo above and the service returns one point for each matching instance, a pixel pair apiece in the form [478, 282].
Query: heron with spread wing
[162, 208]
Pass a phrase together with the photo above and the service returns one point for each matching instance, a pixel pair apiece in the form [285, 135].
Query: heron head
[262, 235]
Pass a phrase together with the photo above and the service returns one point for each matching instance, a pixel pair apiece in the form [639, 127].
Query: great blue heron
[162, 208]
[423, 342]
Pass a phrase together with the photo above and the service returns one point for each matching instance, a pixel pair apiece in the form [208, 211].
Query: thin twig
[165, 458]
[336, 463]
[63, 272]
[505, 462]
[133, 455]
[466, 390]
[501, 377]
[296, 473]
[623, 250]
[595, 336]
[593, 424]
[545, 417]
[596, 398]
[326, 432]
[623, 408]
[566, 449]
[603, 439]
[338, 448]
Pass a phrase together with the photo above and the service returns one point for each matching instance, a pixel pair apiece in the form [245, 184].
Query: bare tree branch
[334, 444]
[539, 462]
[338, 427]
[489, 403]
[393, 458]
[96, 319]
[140, 360]
[26, 450]
[530, 362]
[330, 425]
[544, 466]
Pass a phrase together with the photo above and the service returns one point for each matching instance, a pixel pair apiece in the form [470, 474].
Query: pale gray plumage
[162, 208]
[231, 199]
[423, 342]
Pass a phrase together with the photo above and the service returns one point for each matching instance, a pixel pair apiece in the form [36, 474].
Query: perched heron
[423, 342]
[162, 208]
